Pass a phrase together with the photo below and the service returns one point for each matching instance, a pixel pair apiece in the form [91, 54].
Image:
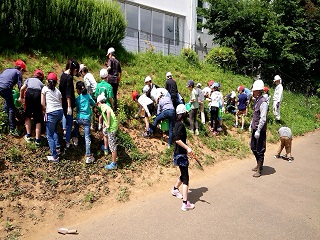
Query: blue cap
[190, 83]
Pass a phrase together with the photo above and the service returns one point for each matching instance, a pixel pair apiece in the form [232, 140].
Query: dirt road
[230, 204]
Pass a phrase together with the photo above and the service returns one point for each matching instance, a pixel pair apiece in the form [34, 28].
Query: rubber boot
[255, 168]
[258, 172]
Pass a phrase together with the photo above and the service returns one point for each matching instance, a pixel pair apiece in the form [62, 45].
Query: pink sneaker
[176, 193]
[188, 206]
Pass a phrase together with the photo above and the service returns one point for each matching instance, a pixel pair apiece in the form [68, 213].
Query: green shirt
[194, 96]
[105, 87]
[113, 120]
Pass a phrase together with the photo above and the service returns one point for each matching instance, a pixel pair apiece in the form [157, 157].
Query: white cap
[258, 85]
[110, 50]
[233, 94]
[103, 73]
[101, 97]
[276, 78]
[145, 89]
[168, 74]
[81, 67]
[147, 79]
[198, 84]
[181, 108]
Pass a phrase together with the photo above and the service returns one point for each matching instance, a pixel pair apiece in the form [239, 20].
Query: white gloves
[223, 110]
[136, 116]
[99, 127]
[257, 135]
[69, 112]
[105, 131]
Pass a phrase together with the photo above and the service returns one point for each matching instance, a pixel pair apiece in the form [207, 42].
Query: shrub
[224, 57]
[191, 56]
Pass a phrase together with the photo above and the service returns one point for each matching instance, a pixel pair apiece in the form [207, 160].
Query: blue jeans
[9, 106]
[166, 114]
[53, 119]
[86, 125]
[67, 124]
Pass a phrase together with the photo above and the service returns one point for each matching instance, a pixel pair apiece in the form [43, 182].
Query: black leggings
[184, 178]
[214, 117]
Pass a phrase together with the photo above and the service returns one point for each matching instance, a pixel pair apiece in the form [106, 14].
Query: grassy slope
[71, 182]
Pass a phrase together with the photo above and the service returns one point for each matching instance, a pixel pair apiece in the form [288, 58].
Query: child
[88, 78]
[83, 103]
[242, 106]
[146, 104]
[110, 127]
[215, 100]
[31, 89]
[231, 102]
[180, 158]
[51, 101]
[106, 88]
[194, 108]
[201, 103]
[285, 141]
[266, 94]
[221, 108]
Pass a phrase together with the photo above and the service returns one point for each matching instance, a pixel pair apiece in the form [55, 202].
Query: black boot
[258, 172]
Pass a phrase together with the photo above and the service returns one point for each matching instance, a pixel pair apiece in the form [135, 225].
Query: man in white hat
[277, 97]
[259, 126]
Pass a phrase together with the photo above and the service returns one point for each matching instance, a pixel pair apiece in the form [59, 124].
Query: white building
[165, 25]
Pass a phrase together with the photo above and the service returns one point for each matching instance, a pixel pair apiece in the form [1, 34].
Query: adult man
[277, 97]
[9, 78]
[172, 88]
[259, 126]
[114, 69]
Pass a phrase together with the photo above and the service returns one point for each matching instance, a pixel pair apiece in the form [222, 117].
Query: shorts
[33, 105]
[180, 160]
[112, 141]
[241, 112]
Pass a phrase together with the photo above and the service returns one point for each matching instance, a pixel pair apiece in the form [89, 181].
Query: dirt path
[282, 204]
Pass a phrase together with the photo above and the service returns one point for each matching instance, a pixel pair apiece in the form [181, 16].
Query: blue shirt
[83, 103]
[242, 100]
[10, 77]
[165, 103]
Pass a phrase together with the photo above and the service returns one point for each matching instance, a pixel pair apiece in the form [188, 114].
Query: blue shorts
[180, 160]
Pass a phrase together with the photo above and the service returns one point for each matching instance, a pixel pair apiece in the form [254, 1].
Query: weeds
[123, 195]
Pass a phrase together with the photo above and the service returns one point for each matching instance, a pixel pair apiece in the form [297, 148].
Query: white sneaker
[219, 129]
[187, 206]
[90, 159]
[176, 193]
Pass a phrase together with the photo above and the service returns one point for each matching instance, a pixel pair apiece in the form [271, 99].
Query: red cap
[38, 73]
[21, 64]
[266, 89]
[210, 83]
[134, 95]
[52, 76]
[240, 88]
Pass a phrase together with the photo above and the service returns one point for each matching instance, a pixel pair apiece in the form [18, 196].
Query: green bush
[55, 23]
[223, 57]
[191, 56]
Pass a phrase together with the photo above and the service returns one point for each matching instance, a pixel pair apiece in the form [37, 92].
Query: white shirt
[155, 92]
[216, 99]
[277, 96]
[90, 82]
[52, 99]
[206, 91]
[144, 101]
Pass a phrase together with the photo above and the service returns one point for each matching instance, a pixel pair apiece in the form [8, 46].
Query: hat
[110, 50]
[81, 67]
[240, 88]
[181, 108]
[134, 95]
[210, 83]
[258, 85]
[147, 79]
[198, 85]
[216, 85]
[190, 83]
[103, 73]
[266, 89]
[276, 78]
[145, 89]
[168, 74]
[101, 97]
[52, 76]
[233, 94]
[21, 64]
[38, 73]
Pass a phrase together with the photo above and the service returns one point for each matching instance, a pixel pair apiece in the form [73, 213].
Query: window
[145, 24]
[169, 29]
[157, 26]
[199, 22]
[179, 30]
[132, 19]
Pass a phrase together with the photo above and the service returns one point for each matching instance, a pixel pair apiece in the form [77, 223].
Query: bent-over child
[285, 142]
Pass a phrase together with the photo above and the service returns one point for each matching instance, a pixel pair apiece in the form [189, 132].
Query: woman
[66, 88]
[51, 104]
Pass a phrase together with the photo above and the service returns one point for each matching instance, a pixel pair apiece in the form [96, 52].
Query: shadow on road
[195, 194]
[268, 170]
